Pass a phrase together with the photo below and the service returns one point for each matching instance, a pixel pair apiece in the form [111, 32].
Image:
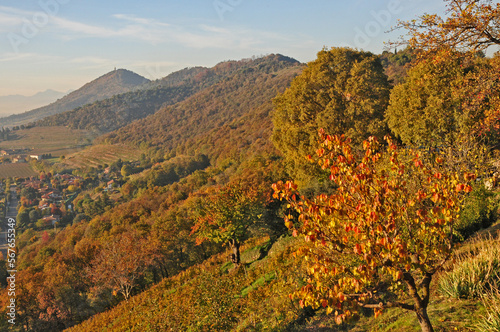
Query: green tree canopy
[437, 105]
[224, 215]
[343, 91]
[126, 170]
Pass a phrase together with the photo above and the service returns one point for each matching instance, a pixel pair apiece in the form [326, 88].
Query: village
[16, 156]
[57, 200]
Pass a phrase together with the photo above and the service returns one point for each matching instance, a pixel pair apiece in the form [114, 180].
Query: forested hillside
[230, 115]
[222, 139]
[115, 112]
[121, 110]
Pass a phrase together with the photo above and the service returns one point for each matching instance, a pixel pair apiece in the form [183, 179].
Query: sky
[63, 44]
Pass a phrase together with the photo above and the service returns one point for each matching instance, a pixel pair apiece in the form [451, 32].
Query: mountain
[14, 104]
[106, 86]
[218, 134]
[113, 113]
[120, 110]
[231, 115]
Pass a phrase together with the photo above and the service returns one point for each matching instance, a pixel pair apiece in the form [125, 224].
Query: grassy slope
[16, 170]
[152, 309]
[180, 303]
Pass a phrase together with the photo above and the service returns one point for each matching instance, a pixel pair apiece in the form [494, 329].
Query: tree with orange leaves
[382, 235]
[121, 262]
[471, 25]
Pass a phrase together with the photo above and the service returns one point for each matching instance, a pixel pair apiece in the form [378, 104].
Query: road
[11, 213]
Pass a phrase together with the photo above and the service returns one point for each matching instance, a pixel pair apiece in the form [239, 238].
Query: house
[75, 180]
[110, 184]
[19, 159]
[6, 152]
[52, 196]
[35, 156]
[35, 184]
[44, 206]
[52, 219]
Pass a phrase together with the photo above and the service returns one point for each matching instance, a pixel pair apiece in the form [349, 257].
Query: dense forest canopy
[344, 91]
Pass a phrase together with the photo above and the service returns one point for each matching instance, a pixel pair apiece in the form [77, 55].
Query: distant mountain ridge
[120, 110]
[113, 83]
[113, 113]
[14, 104]
[236, 108]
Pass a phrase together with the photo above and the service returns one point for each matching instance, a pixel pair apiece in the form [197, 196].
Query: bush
[474, 274]
[479, 212]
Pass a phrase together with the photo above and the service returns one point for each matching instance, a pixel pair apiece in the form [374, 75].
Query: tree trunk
[423, 320]
[421, 303]
[235, 256]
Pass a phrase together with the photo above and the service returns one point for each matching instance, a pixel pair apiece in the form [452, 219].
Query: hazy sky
[63, 44]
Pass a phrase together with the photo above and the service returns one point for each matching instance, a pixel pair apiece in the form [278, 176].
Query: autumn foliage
[448, 96]
[384, 232]
[469, 25]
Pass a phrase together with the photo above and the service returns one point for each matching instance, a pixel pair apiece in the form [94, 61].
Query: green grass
[490, 321]
[258, 283]
[475, 270]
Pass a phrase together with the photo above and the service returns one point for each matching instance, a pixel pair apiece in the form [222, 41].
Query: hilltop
[121, 110]
[113, 83]
[236, 109]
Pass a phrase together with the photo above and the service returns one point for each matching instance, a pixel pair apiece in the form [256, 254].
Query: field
[54, 140]
[16, 170]
[100, 155]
